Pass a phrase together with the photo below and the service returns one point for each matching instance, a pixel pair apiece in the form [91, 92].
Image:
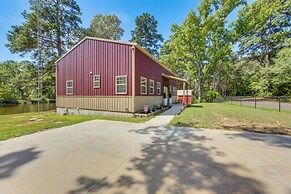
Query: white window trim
[121, 84]
[96, 81]
[146, 80]
[72, 87]
[159, 88]
[153, 86]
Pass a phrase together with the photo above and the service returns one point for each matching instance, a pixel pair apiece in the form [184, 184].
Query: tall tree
[146, 33]
[53, 21]
[201, 43]
[19, 79]
[262, 30]
[45, 34]
[106, 26]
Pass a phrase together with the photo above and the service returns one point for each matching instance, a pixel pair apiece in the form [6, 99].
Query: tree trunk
[219, 78]
[59, 41]
[225, 85]
[214, 80]
[199, 81]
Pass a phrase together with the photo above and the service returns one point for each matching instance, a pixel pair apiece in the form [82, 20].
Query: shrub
[211, 95]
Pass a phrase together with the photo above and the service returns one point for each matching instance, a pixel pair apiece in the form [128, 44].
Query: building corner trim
[133, 76]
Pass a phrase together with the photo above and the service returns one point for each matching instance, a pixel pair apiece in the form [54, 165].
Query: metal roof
[118, 42]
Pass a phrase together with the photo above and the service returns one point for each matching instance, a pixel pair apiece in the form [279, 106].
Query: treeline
[203, 48]
[18, 81]
[249, 56]
[50, 29]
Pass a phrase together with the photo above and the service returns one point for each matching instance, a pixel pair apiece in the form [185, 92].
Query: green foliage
[262, 27]
[6, 95]
[146, 33]
[210, 96]
[152, 107]
[106, 26]
[200, 48]
[56, 19]
[281, 73]
[18, 81]
[48, 25]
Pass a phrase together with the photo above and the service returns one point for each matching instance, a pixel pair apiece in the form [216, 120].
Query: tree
[106, 26]
[202, 43]
[146, 33]
[53, 21]
[19, 79]
[281, 71]
[46, 33]
[261, 30]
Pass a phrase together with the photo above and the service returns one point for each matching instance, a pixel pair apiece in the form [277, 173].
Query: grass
[226, 116]
[16, 125]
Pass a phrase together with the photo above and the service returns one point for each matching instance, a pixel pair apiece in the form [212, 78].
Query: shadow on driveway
[271, 140]
[176, 161]
[9, 163]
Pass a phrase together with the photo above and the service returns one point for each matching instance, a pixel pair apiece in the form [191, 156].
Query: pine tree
[146, 33]
[56, 19]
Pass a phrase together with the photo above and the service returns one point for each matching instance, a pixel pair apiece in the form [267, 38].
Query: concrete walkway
[118, 157]
[167, 116]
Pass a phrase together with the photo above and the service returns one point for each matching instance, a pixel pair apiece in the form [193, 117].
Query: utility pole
[39, 57]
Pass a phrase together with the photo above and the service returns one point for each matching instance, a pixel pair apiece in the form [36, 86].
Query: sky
[167, 12]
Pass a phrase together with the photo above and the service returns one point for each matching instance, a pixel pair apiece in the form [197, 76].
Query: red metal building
[108, 75]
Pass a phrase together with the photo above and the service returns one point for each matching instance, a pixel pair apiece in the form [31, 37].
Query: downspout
[56, 79]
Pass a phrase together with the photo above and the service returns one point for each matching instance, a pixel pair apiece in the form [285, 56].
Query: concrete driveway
[116, 157]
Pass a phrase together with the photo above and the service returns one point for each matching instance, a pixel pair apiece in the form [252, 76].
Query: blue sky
[167, 12]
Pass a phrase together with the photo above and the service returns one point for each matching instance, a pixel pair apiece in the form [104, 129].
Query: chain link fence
[275, 102]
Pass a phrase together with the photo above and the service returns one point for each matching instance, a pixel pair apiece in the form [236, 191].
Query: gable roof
[118, 42]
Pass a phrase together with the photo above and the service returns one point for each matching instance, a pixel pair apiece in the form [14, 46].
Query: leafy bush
[6, 95]
[211, 95]
[152, 107]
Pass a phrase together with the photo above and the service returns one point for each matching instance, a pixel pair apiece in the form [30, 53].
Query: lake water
[22, 108]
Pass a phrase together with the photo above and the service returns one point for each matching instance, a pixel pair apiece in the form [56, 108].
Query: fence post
[240, 101]
[255, 103]
[279, 104]
[231, 100]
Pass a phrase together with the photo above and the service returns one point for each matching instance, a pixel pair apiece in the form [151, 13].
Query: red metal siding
[148, 68]
[102, 58]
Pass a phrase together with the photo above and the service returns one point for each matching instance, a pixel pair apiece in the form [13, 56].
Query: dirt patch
[234, 124]
[259, 128]
[25, 123]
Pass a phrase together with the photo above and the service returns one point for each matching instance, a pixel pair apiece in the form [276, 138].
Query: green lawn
[19, 124]
[226, 116]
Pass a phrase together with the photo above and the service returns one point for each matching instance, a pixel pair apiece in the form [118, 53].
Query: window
[152, 86]
[96, 81]
[69, 85]
[158, 88]
[121, 84]
[143, 85]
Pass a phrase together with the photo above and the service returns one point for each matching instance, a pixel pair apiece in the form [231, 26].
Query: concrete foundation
[75, 111]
